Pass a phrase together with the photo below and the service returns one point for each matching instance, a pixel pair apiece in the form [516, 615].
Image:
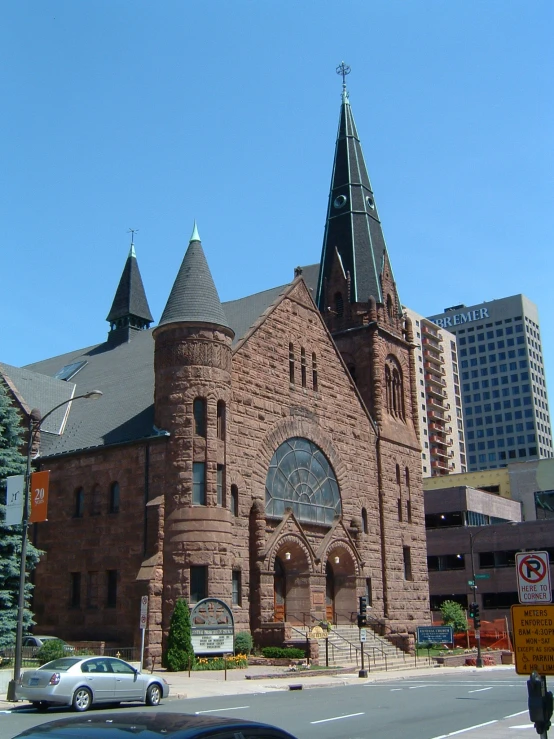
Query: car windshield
[61, 665]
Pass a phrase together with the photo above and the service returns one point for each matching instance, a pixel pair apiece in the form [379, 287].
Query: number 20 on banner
[39, 496]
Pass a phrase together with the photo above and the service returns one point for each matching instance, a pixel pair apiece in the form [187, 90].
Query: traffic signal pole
[362, 623]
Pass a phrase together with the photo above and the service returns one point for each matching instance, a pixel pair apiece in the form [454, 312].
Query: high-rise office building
[441, 427]
[504, 399]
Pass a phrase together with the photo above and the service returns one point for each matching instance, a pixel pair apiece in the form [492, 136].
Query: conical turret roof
[352, 226]
[194, 298]
[130, 297]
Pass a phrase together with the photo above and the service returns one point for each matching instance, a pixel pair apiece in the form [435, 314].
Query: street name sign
[484, 576]
[533, 577]
[533, 629]
[434, 634]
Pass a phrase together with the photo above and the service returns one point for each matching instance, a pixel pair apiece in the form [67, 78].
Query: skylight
[70, 370]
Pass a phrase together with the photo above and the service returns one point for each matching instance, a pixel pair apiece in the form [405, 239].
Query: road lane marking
[479, 690]
[513, 715]
[522, 726]
[416, 687]
[394, 690]
[337, 718]
[463, 731]
[216, 710]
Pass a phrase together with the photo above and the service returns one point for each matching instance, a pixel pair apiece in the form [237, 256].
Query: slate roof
[125, 375]
[194, 295]
[352, 224]
[130, 297]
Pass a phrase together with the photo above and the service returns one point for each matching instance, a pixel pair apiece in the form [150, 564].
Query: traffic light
[540, 703]
[476, 616]
[362, 614]
[472, 607]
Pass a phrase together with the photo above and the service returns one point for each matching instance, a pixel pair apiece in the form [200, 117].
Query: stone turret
[193, 388]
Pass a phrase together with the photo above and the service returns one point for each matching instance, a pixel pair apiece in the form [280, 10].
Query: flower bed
[238, 662]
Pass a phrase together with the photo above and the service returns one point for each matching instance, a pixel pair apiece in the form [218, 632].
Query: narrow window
[198, 583]
[111, 589]
[409, 501]
[220, 484]
[221, 420]
[199, 412]
[364, 521]
[92, 590]
[199, 483]
[352, 370]
[303, 366]
[237, 590]
[399, 504]
[234, 500]
[314, 372]
[390, 309]
[339, 305]
[114, 498]
[79, 503]
[368, 591]
[291, 363]
[95, 508]
[75, 594]
[407, 563]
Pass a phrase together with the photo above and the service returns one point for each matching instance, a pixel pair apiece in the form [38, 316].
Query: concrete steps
[379, 654]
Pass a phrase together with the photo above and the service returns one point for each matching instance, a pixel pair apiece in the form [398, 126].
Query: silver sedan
[81, 681]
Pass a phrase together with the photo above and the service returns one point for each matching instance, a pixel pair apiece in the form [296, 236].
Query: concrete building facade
[439, 399]
[504, 398]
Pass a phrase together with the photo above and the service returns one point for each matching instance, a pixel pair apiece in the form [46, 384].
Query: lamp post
[472, 537]
[34, 428]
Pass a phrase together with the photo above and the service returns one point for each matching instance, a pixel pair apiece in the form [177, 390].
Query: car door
[129, 685]
[98, 675]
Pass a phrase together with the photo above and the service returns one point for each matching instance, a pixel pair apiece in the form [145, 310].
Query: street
[481, 706]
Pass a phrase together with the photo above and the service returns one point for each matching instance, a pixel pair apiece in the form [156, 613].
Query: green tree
[179, 650]
[453, 615]
[12, 462]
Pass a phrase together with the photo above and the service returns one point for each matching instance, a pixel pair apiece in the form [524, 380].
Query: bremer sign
[458, 318]
[533, 577]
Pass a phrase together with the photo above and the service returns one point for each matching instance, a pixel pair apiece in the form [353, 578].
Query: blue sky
[148, 115]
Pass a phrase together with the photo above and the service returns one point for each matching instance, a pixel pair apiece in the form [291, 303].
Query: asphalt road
[430, 708]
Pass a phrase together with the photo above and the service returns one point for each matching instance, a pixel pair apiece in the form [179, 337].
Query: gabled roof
[194, 296]
[352, 226]
[130, 297]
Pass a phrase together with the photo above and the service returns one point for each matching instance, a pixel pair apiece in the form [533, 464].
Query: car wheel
[153, 695]
[82, 699]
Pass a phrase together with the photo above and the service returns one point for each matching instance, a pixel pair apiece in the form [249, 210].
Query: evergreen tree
[179, 645]
[453, 615]
[12, 462]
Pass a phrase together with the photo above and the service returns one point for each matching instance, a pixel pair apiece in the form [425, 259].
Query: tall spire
[352, 228]
[130, 310]
[194, 298]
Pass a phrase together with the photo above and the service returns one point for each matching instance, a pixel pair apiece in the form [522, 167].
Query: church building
[264, 451]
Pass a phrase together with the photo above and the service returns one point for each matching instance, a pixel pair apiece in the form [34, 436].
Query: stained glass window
[300, 477]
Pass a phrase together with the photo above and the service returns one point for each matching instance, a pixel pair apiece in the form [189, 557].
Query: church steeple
[130, 311]
[353, 241]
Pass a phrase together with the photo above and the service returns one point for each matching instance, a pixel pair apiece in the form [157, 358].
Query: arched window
[314, 372]
[394, 388]
[199, 412]
[114, 497]
[234, 500]
[303, 365]
[339, 305]
[291, 363]
[79, 510]
[300, 477]
[365, 529]
[399, 499]
[221, 420]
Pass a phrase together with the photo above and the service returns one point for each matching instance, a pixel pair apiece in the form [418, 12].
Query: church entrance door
[279, 592]
[329, 594]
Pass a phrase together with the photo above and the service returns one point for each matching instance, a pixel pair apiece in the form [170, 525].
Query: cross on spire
[343, 69]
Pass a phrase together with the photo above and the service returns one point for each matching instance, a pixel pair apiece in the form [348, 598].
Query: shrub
[453, 615]
[283, 653]
[179, 653]
[51, 649]
[243, 642]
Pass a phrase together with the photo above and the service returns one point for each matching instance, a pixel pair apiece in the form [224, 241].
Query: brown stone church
[263, 451]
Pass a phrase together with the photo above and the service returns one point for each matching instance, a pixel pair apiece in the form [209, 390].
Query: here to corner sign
[533, 577]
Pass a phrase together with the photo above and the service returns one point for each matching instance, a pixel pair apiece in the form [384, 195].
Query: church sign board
[212, 627]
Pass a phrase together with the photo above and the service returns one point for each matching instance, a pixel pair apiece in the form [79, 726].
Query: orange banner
[39, 496]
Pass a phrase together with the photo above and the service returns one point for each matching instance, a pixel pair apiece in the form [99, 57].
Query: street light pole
[35, 423]
[479, 660]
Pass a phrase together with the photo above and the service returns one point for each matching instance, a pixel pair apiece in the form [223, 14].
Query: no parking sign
[533, 577]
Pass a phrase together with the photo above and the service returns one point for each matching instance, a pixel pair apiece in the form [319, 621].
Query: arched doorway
[279, 592]
[329, 594]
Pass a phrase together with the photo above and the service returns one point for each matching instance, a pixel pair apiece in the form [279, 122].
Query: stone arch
[291, 561]
[341, 567]
[394, 387]
[294, 542]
